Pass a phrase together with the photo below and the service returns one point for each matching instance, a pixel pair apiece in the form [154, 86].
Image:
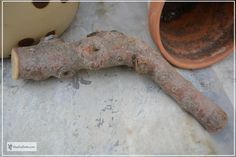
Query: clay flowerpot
[192, 35]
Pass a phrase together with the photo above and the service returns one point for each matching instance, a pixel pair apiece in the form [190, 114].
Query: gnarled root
[54, 57]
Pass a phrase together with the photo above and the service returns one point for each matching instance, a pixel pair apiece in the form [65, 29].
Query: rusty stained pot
[192, 35]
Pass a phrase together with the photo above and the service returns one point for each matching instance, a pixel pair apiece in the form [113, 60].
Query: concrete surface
[113, 111]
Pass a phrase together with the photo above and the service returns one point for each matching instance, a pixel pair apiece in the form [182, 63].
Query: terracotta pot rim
[154, 28]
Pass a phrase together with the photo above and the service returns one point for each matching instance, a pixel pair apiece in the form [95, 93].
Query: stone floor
[113, 111]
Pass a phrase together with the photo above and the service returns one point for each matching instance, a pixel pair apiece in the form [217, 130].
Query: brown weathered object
[54, 57]
[192, 35]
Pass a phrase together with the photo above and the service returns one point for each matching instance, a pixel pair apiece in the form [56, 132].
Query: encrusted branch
[56, 58]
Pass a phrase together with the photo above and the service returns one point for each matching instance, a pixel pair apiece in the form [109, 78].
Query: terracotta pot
[192, 35]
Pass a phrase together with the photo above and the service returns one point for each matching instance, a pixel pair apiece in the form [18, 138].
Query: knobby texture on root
[53, 57]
